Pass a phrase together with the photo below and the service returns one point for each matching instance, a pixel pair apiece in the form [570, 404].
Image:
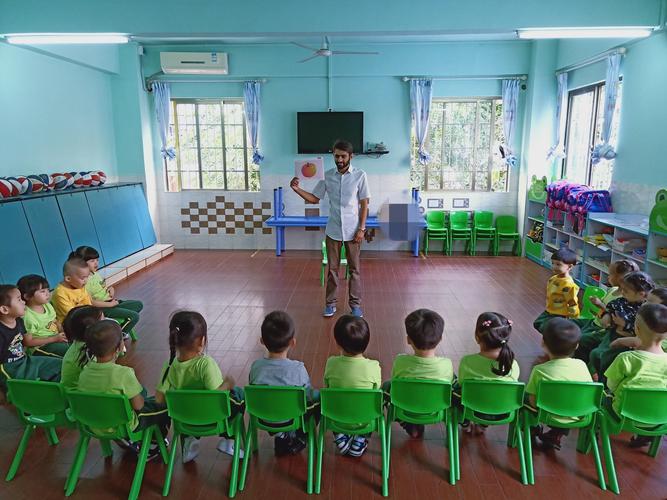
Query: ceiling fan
[325, 50]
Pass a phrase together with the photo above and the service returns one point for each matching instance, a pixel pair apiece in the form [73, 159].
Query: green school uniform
[97, 288]
[352, 373]
[71, 369]
[636, 369]
[201, 372]
[478, 367]
[411, 366]
[565, 369]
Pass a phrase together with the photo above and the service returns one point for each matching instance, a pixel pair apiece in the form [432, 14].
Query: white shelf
[628, 256]
[596, 265]
[536, 219]
[634, 223]
[657, 263]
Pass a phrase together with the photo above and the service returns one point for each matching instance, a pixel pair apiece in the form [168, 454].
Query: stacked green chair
[200, 413]
[424, 402]
[642, 412]
[325, 262]
[588, 310]
[460, 230]
[39, 405]
[506, 230]
[353, 412]
[503, 400]
[482, 229]
[106, 417]
[277, 409]
[436, 229]
[570, 405]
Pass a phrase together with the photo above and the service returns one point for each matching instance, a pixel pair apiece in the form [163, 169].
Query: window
[585, 114]
[212, 151]
[463, 139]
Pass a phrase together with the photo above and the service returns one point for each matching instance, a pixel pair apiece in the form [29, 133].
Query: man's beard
[343, 166]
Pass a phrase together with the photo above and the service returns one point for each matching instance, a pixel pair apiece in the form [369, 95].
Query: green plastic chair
[424, 402]
[588, 310]
[483, 229]
[642, 412]
[480, 398]
[460, 230]
[106, 417]
[200, 413]
[277, 409]
[506, 230]
[353, 412]
[436, 229]
[39, 405]
[580, 404]
[325, 262]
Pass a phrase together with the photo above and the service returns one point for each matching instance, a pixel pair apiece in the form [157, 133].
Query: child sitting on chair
[646, 365]
[559, 339]
[190, 368]
[424, 330]
[71, 291]
[562, 291]
[47, 337]
[126, 312]
[14, 362]
[75, 324]
[351, 370]
[101, 374]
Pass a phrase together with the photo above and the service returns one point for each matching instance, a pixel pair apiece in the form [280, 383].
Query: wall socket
[461, 203]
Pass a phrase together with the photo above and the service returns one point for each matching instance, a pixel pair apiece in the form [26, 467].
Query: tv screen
[317, 131]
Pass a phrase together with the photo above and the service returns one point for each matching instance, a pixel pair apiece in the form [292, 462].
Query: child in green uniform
[101, 374]
[495, 360]
[126, 312]
[646, 365]
[657, 296]
[75, 324]
[562, 300]
[424, 329]
[40, 321]
[14, 362]
[351, 370]
[559, 340]
[189, 368]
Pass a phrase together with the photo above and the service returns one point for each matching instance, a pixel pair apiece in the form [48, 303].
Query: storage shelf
[657, 263]
[597, 265]
[629, 256]
[536, 219]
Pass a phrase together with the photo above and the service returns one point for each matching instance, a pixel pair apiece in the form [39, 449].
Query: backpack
[557, 193]
[589, 201]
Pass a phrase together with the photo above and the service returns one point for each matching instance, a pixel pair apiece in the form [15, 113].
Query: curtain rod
[592, 60]
[498, 77]
[161, 77]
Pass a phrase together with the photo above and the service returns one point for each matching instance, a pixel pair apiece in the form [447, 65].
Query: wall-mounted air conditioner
[194, 63]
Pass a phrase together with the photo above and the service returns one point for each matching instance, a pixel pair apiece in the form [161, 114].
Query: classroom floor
[235, 289]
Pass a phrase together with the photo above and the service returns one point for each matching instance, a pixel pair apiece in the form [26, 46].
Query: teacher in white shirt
[348, 192]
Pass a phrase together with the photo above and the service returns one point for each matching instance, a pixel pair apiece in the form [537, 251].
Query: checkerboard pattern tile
[222, 216]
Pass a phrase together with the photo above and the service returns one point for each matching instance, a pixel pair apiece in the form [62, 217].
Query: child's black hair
[102, 338]
[352, 334]
[623, 266]
[655, 317]
[561, 336]
[661, 293]
[29, 284]
[277, 331]
[424, 328]
[74, 262]
[565, 255]
[493, 331]
[639, 281]
[78, 319]
[5, 297]
[185, 327]
[85, 253]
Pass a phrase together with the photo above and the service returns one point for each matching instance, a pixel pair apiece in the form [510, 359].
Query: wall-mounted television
[317, 131]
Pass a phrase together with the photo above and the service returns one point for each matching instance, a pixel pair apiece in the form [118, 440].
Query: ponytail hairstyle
[78, 319]
[102, 339]
[493, 331]
[639, 282]
[185, 328]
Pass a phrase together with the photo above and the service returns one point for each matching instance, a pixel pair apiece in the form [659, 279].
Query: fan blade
[309, 58]
[312, 49]
[352, 52]
[326, 42]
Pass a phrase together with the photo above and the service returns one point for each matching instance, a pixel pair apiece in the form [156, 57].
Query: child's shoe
[190, 449]
[551, 439]
[640, 441]
[154, 450]
[358, 446]
[343, 443]
[415, 431]
[226, 446]
[281, 444]
[297, 444]
[127, 445]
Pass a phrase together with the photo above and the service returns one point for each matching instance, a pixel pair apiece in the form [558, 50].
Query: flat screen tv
[317, 131]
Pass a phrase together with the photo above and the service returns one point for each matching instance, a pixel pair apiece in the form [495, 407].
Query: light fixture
[595, 32]
[66, 38]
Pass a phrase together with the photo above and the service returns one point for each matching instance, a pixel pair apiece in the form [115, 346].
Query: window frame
[246, 157]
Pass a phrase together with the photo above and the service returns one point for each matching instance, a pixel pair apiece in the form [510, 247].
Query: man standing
[348, 192]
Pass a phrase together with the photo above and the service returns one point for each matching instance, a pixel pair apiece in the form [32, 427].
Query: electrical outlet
[461, 203]
[435, 203]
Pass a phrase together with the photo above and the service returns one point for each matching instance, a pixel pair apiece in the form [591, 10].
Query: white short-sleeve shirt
[345, 192]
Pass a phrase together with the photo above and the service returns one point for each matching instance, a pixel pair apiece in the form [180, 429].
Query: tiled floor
[235, 289]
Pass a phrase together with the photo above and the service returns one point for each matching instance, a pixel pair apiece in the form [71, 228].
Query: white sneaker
[190, 449]
[226, 446]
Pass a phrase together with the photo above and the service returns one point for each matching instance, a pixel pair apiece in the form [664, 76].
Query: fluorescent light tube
[597, 32]
[66, 38]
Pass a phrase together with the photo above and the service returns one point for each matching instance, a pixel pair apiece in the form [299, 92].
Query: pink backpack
[590, 201]
[557, 195]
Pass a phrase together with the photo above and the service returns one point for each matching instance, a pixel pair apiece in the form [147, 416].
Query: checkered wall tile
[222, 216]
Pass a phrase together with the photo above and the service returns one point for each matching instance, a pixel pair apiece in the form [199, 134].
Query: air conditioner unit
[194, 63]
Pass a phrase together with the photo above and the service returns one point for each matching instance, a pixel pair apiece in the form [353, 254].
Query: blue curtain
[162, 93]
[557, 151]
[421, 91]
[251, 91]
[510, 105]
[604, 150]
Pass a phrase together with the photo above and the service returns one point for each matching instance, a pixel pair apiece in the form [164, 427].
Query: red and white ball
[5, 188]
